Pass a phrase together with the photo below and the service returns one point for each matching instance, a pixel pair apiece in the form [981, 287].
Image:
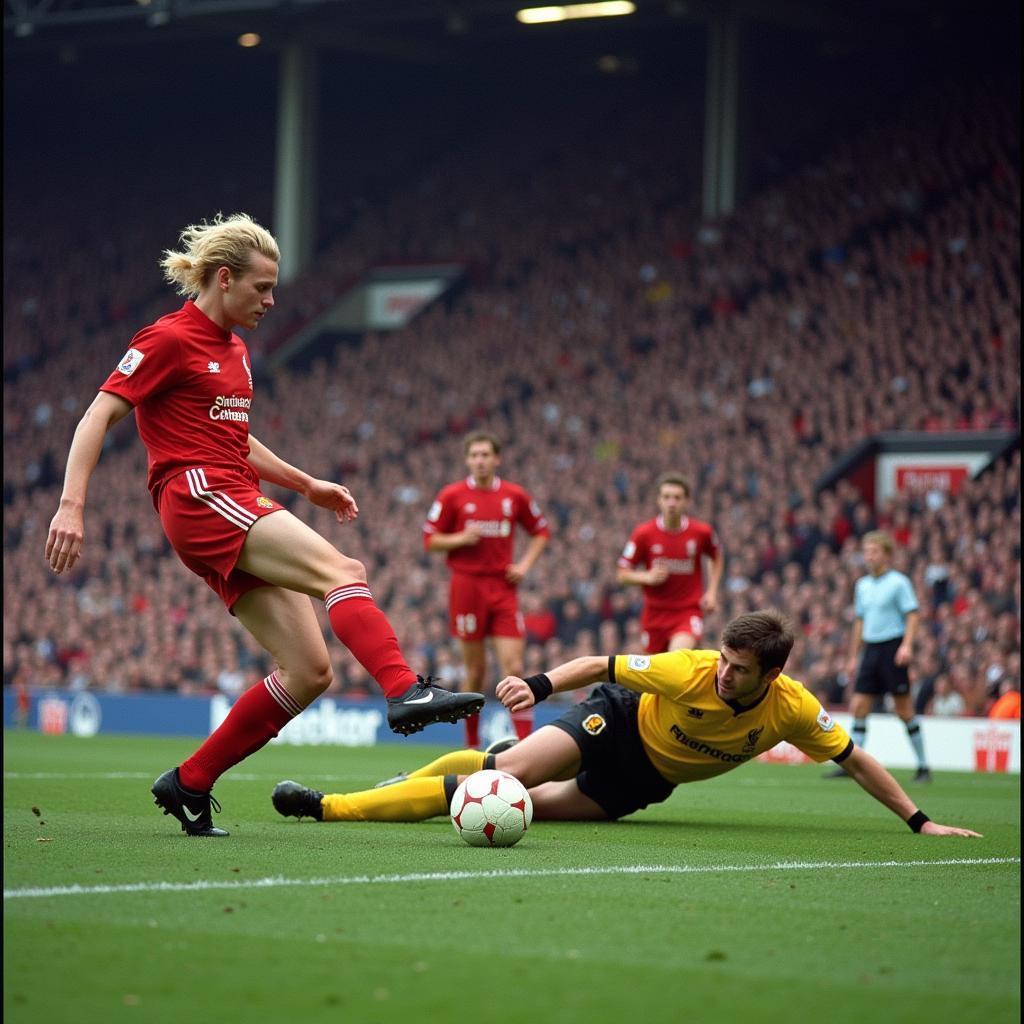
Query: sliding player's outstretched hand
[514, 694]
[933, 828]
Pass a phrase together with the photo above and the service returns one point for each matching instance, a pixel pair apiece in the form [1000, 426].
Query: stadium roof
[419, 29]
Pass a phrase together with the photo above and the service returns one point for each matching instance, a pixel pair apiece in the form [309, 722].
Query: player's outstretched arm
[67, 528]
[518, 694]
[322, 493]
[874, 779]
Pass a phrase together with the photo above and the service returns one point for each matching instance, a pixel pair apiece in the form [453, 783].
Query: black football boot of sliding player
[294, 800]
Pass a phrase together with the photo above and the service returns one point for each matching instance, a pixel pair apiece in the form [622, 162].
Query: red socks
[473, 731]
[256, 718]
[364, 629]
[263, 710]
[522, 722]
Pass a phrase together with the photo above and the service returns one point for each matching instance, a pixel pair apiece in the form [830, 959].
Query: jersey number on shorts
[465, 625]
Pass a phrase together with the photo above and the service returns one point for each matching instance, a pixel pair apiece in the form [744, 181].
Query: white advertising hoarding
[951, 744]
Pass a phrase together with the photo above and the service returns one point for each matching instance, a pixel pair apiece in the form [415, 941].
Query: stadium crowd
[606, 334]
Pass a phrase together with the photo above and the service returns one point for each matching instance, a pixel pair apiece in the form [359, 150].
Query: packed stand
[607, 335]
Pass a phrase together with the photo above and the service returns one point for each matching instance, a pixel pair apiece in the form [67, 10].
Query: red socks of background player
[364, 629]
[256, 718]
[522, 723]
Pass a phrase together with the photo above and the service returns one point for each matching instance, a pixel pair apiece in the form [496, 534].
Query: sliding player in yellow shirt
[659, 721]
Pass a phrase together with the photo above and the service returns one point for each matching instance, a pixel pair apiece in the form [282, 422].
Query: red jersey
[680, 551]
[191, 386]
[494, 513]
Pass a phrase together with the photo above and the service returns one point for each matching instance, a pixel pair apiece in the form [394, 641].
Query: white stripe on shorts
[218, 500]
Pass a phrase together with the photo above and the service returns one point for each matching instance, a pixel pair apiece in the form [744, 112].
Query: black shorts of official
[879, 674]
[616, 772]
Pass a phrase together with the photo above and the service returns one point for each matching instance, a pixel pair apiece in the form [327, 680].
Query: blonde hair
[882, 539]
[223, 242]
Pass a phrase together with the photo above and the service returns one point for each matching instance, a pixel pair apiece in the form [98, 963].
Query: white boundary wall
[950, 744]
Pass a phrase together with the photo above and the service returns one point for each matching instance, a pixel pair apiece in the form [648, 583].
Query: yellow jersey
[690, 733]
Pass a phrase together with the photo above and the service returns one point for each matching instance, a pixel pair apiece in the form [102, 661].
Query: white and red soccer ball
[491, 808]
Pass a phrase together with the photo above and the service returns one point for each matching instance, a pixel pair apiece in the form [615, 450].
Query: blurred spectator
[946, 702]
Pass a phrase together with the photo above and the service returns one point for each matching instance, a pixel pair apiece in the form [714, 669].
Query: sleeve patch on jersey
[131, 361]
[435, 512]
[825, 721]
[629, 550]
[639, 662]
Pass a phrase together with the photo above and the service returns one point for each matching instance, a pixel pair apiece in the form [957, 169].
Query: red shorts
[660, 626]
[481, 606]
[206, 514]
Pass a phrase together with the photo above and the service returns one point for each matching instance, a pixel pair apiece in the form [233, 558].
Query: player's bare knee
[521, 767]
[306, 683]
[352, 570]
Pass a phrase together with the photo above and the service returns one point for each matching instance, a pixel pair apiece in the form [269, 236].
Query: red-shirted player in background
[672, 547]
[474, 521]
[188, 379]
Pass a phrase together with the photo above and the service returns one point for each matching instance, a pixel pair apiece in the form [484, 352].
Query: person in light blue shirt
[887, 619]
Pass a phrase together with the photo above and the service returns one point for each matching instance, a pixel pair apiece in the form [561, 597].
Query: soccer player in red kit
[188, 378]
[665, 556]
[474, 522]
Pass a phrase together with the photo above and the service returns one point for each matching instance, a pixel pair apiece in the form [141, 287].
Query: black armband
[916, 821]
[540, 686]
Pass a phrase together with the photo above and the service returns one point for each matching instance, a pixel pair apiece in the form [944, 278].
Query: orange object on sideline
[1008, 706]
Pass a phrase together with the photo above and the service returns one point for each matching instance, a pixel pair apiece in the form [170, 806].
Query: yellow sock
[412, 800]
[459, 762]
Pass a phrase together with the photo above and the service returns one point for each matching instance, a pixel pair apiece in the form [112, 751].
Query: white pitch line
[462, 876]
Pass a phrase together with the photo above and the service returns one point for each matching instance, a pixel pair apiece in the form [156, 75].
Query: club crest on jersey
[264, 502]
[506, 506]
[213, 367]
[594, 724]
[639, 662]
[825, 721]
[131, 361]
[752, 737]
[691, 547]
[248, 372]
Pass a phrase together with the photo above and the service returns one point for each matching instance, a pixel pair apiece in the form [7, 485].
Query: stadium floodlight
[565, 12]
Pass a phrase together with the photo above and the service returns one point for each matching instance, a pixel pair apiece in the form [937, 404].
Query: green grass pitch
[767, 895]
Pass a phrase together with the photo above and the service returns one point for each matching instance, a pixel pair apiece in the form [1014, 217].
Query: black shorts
[616, 772]
[879, 674]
